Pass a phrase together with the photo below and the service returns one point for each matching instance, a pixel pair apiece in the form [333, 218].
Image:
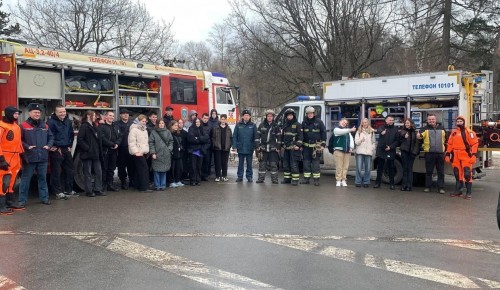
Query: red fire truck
[81, 82]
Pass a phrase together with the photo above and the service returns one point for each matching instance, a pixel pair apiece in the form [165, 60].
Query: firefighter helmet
[269, 111]
[289, 111]
[309, 110]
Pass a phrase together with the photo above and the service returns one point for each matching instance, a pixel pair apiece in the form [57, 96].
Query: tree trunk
[496, 72]
[446, 32]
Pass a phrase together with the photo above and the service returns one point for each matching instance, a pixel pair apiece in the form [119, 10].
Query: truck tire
[79, 178]
[398, 174]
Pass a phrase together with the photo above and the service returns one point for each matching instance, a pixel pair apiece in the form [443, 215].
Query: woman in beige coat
[138, 147]
[365, 148]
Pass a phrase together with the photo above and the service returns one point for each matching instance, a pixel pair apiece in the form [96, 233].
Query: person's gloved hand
[3, 163]
[447, 158]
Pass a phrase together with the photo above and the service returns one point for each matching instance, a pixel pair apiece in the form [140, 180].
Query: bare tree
[97, 26]
[142, 37]
[197, 55]
[330, 38]
[421, 21]
[219, 38]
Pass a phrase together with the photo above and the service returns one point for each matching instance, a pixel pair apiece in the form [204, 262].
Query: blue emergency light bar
[308, 98]
[218, 74]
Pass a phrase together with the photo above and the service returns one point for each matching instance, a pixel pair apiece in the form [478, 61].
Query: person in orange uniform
[10, 160]
[461, 152]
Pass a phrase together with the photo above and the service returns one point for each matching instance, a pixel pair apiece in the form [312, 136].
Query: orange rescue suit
[11, 148]
[461, 159]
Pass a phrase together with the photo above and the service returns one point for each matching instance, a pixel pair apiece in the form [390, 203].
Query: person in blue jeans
[244, 136]
[365, 148]
[37, 139]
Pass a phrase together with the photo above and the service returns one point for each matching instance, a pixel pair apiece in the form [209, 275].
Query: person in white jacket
[342, 144]
[138, 147]
[365, 148]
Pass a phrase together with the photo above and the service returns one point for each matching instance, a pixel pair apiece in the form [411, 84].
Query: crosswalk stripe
[177, 265]
[7, 284]
[478, 245]
[395, 266]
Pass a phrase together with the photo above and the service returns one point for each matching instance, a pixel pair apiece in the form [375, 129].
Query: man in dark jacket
[110, 138]
[206, 167]
[314, 143]
[151, 124]
[268, 146]
[125, 162]
[37, 140]
[61, 160]
[386, 150]
[168, 117]
[291, 140]
[244, 138]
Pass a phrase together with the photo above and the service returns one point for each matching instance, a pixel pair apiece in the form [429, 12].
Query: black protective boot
[10, 202]
[3, 209]
[262, 177]
[111, 187]
[295, 182]
[316, 181]
[124, 184]
[274, 178]
[286, 181]
[468, 195]
[305, 181]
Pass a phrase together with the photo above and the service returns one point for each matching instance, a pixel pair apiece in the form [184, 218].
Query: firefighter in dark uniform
[314, 143]
[291, 141]
[268, 145]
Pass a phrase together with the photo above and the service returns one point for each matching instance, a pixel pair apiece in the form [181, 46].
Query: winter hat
[9, 114]
[34, 106]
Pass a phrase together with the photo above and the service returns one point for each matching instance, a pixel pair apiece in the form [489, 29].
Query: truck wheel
[79, 178]
[398, 172]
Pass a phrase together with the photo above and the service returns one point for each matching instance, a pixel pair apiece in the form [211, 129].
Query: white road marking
[177, 265]
[479, 245]
[7, 284]
[395, 266]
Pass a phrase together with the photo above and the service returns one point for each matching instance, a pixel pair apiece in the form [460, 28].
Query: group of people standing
[29, 146]
[458, 148]
[163, 152]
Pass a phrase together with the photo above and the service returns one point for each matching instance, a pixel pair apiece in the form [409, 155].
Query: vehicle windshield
[224, 96]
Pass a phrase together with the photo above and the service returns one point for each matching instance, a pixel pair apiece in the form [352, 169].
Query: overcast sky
[193, 18]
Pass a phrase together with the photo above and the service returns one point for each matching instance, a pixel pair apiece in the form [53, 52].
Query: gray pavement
[250, 236]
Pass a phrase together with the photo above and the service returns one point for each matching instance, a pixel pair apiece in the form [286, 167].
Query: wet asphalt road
[251, 236]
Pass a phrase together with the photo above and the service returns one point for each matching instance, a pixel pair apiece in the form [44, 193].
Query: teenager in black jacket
[177, 155]
[197, 139]
[90, 149]
[111, 139]
[409, 151]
